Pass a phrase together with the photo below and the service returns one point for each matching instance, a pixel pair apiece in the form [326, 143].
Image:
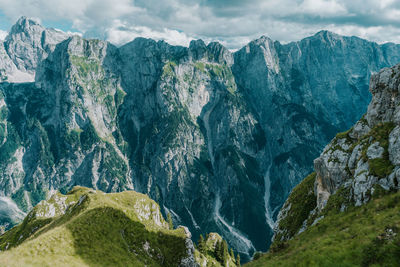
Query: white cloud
[3, 34]
[121, 33]
[233, 22]
[323, 8]
[378, 34]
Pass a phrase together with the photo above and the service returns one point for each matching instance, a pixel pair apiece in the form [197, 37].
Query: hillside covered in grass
[360, 236]
[90, 228]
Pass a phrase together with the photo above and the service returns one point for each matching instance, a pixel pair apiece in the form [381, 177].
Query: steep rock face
[355, 165]
[60, 131]
[303, 93]
[193, 139]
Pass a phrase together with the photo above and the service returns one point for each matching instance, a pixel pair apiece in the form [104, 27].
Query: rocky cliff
[355, 166]
[347, 211]
[217, 139]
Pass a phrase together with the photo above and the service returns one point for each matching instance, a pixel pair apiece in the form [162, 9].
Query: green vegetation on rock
[380, 167]
[300, 203]
[168, 69]
[213, 252]
[338, 201]
[115, 165]
[88, 137]
[360, 236]
[85, 65]
[11, 144]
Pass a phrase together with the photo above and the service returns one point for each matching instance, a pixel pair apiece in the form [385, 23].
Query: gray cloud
[233, 22]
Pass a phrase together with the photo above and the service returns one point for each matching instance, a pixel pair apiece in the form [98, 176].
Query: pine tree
[238, 260]
[232, 254]
[170, 223]
[218, 251]
[202, 244]
[225, 252]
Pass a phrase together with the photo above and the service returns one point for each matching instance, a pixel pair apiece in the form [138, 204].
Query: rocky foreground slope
[216, 138]
[348, 210]
[90, 228]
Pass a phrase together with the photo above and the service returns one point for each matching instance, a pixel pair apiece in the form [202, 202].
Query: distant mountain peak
[262, 39]
[24, 20]
[26, 25]
[327, 35]
[27, 43]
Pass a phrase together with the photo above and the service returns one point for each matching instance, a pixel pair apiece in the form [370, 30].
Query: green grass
[200, 66]
[302, 201]
[360, 236]
[97, 229]
[340, 199]
[380, 167]
[343, 135]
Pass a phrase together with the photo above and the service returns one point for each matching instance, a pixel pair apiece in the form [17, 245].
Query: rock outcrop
[356, 164]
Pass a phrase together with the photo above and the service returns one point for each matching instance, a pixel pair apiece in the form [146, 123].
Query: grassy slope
[103, 230]
[360, 236]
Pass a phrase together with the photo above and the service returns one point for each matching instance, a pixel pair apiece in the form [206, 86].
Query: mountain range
[217, 139]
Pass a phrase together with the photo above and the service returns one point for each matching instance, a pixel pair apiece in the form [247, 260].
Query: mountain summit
[25, 46]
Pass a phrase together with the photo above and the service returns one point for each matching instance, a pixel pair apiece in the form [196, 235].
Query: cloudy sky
[232, 22]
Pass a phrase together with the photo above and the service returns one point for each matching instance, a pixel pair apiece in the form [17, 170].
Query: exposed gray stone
[394, 146]
[375, 151]
[360, 129]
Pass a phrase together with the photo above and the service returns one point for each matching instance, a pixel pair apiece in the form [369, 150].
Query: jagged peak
[23, 20]
[325, 33]
[262, 40]
[329, 35]
[138, 42]
[196, 44]
[25, 24]
[220, 53]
